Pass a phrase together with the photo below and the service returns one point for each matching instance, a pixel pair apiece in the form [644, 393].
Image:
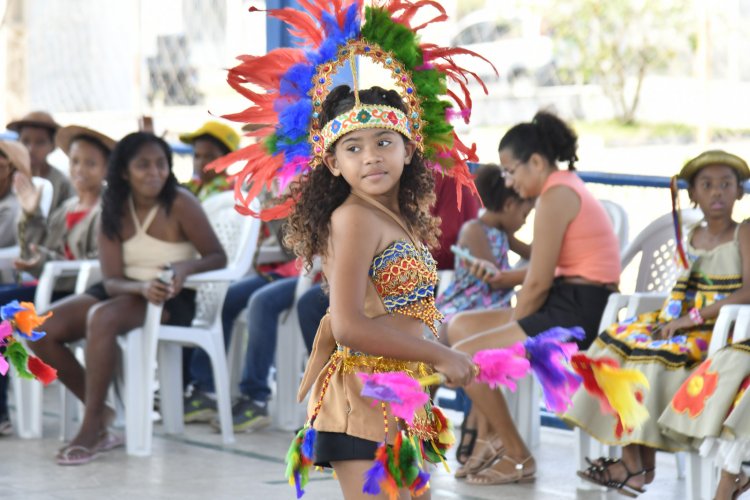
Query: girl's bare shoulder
[353, 211]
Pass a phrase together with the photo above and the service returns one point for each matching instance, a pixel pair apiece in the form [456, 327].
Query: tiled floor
[196, 466]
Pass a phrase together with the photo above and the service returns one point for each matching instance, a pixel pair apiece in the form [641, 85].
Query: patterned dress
[467, 292]
[713, 275]
[712, 408]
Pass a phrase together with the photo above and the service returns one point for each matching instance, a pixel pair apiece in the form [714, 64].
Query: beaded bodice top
[405, 277]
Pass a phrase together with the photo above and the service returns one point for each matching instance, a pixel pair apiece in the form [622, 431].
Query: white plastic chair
[28, 393]
[291, 355]
[239, 236]
[619, 218]
[702, 473]
[657, 273]
[524, 403]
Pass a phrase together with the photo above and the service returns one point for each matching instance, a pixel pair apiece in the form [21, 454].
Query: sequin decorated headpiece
[295, 82]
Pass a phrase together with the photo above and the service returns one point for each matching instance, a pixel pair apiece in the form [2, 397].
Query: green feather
[392, 469]
[269, 143]
[293, 454]
[408, 461]
[17, 355]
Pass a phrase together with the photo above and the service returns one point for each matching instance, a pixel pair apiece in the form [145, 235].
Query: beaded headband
[296, 81]
[361, 117]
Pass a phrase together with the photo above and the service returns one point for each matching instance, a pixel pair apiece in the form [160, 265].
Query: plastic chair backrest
[238, 235]
[656, 244]
[619, 218]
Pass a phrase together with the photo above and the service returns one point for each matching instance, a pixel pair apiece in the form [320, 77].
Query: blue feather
[297, 81]
[373, 477]
[293, 150]
[308, 443]
[295, 120]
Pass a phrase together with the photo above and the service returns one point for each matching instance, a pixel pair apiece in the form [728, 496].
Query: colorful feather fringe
[299, 459]
[549, 356]
[619, 391]
[279, 87]
[21, 319]
[396, 467]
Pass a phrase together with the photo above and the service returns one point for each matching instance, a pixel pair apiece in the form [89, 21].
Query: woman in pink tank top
[574, 266]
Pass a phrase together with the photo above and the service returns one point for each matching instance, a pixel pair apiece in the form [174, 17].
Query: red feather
[41, 370]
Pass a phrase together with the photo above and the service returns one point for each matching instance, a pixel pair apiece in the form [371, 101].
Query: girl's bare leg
[67, 324]
[470, 323]
[106, 321]
[491, 402]
[350, 474]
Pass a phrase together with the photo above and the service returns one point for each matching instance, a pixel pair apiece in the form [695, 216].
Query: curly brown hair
[319, 193]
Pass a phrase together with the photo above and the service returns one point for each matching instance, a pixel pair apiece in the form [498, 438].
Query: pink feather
[502, 366]
[403, 392]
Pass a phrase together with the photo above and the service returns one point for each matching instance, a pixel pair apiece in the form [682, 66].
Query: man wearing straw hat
[36, 131]
[13, 157]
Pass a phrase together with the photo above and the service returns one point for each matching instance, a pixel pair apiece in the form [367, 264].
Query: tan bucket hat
[34, 119]
[66, 135]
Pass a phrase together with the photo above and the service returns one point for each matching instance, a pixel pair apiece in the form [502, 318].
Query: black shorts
[568, 305]
[337, 446]
[181, 308]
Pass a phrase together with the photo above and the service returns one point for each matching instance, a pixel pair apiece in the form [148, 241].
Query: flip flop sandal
[466, 446]
[476, 464]
[491, 476]
[76, 455]
[600, 475]
[109, 441]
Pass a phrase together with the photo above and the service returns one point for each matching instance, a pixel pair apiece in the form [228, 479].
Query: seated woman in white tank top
[148, 223]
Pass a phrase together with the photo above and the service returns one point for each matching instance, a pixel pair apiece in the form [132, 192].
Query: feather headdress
[295, 81]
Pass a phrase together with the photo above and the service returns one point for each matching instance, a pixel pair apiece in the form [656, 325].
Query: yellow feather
[620, 385]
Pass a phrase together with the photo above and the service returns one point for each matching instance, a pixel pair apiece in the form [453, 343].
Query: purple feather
[549, 358]
[298, 484]
[373, 476]
[560, 334]
[421, 481]
[374, 390]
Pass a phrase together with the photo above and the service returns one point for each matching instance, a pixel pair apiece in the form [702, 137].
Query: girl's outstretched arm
[357, 233]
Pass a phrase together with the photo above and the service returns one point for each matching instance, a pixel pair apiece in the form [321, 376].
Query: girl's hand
[667, 331]
[457, 367]
[156, 292]
[31, 263]
[483, 269]
[28, 194]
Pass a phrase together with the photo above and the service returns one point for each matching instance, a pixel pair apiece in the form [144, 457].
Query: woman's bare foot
[507, 470]
[731, 486]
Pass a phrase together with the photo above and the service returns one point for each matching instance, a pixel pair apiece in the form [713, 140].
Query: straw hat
[222, 133]
[17, 155]
[34, 119]
[66, 135]
[714, 157]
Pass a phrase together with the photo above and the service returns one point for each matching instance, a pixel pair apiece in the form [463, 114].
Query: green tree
[615, 43]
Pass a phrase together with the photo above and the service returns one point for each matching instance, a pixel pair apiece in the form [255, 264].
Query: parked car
[516, 46]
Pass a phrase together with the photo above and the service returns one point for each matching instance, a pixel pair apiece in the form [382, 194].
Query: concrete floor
[196, 466]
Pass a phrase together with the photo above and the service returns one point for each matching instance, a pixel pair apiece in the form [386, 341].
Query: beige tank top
[144, 256]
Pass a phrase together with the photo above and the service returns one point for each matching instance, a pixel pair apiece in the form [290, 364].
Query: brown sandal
[490, 476]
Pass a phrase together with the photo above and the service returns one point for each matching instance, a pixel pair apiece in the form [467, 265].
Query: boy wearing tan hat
[36, 131]
[210, 142]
